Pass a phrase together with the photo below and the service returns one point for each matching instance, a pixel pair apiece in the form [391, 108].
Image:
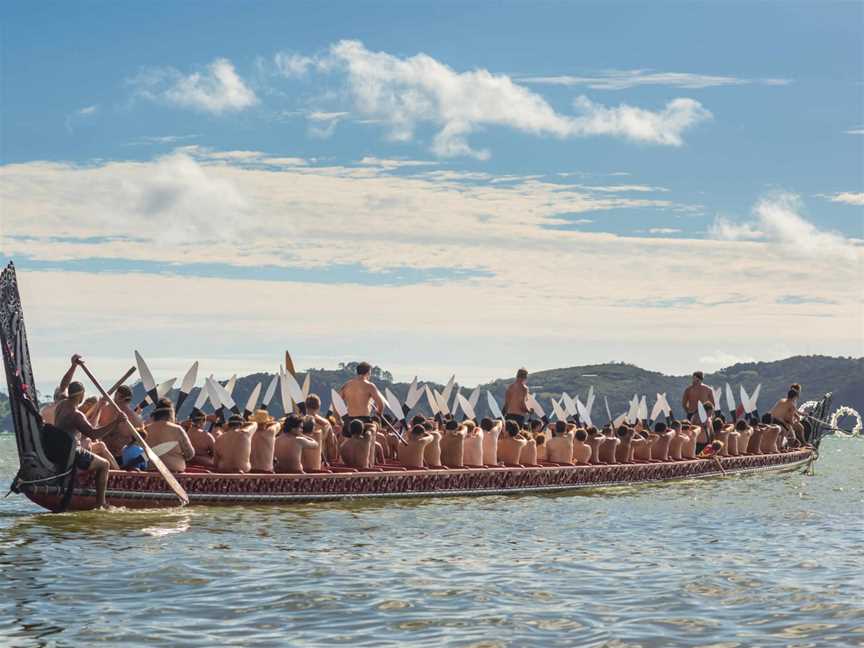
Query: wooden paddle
[111, 391]
[154, 459]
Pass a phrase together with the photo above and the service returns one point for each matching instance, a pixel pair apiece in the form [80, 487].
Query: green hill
[616, 381]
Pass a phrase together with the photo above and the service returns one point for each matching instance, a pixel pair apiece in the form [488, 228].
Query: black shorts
[519, 418]
[83, 459]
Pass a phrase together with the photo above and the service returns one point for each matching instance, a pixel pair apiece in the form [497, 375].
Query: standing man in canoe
[516, 398]
[360, 395]
[697, 392]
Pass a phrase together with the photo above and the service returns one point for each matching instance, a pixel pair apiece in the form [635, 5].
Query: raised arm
[185, 444]
[67, 377]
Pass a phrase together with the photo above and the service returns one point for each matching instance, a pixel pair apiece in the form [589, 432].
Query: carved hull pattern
[146, 490]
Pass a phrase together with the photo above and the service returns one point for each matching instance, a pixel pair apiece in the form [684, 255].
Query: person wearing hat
[163, 429]
[69, 418]
[233, 448]
[263, 442]
[697, 392]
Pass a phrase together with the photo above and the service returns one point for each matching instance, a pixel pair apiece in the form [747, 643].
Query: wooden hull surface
[148, 490]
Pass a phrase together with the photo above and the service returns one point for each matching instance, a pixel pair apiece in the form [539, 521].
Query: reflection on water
[759, 560]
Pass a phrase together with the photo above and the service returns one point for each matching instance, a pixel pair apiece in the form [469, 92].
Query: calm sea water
[744, 561]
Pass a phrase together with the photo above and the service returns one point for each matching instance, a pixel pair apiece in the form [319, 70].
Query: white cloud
[664, 230]
[855, 131]
[292, 65]
[408, 92]
[848, 198]
[79, 115]
[623, 79]
[624, 188]
[216, 90]
[89, 110]
[205, 207]
[778, 220]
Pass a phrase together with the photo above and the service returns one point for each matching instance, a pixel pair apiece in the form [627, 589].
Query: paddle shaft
[826, 424]
[116, 386]
[394, 430]
[152, 456]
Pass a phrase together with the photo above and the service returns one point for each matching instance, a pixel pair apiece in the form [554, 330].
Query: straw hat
[261, 417]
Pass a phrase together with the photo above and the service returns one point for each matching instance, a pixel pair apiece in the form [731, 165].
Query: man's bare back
[233, 449]
[263, 445]
[360, 394]
[165, 431]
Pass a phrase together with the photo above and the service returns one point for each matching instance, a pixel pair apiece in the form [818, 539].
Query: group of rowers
[305, 441]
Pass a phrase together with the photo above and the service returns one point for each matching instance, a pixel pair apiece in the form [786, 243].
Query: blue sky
[583, 172]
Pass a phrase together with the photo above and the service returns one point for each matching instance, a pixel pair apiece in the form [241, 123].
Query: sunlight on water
[760, 560]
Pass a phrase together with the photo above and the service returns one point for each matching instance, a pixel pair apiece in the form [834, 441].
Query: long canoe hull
[148, 490]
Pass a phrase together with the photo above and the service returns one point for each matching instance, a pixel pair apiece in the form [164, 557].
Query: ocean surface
[771, 560]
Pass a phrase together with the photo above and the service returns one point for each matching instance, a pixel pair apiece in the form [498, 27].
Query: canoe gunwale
[436, 484]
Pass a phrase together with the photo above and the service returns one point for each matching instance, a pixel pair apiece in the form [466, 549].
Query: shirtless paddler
[697, 392]
[360, 395]
[516, 398]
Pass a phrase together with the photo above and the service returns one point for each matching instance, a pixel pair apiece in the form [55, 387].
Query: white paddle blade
[569, 404]
[442, 403]
[718, 393]
[618, 421]
[307, 384]
[467, 407]
[667, 408]
[755, 397]
[703, 415]
[535, 406]
[224, 395]
[392, 402]
[232, 382]
[144, 371]
[474, 398]
[455, 406]
[252, 403]
[411, 389]
[730, 399]
[657, 409]
[589, 402]
[164, 448]
[633, 411]
[202, 397]
[493, 405]
[190, 378]
[448, 389]
[745, 399]
[433, 402]
[557, 411]
[271, 390]
[287, 405]
[338, 404]
[212, 393]
[642, 411]
[294, 390]
[165, 387]
[414, 397]
[608, 411]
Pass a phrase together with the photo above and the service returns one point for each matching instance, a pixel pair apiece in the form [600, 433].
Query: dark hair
[428, 426]
[487, 424]
[522, 373]
[511, 427]
[74, 388]
[161, 414]
[591, 430]
[792, 394]
[313, 402]
[560, 427]
[660, 427]
[717, 424]
[741, 425]
[308, 425]
[235, 421]
[355, 428]
[767, 418]
[451, 425]
[418, 430]
[622, 431]
[796, 387]
[197, 415]
[581, 435]
[536, 424]
[418, 419]
[292, 422]
[708, 407]
[124, 393]
[699, 375]
[675, 425]
[363, 368]
[165, 402]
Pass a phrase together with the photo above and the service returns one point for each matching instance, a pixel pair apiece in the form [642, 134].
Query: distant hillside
[617, 382]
